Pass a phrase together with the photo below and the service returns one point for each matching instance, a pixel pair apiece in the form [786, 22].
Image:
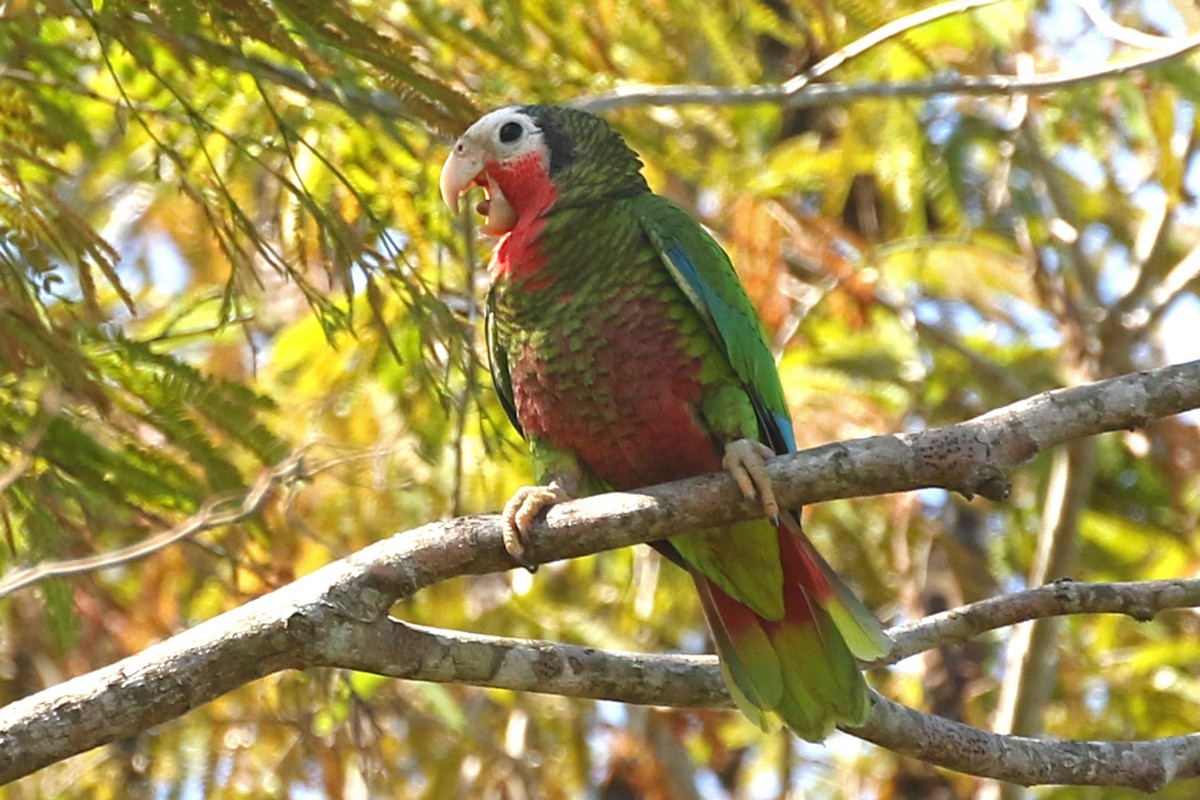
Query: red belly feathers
[624, 397]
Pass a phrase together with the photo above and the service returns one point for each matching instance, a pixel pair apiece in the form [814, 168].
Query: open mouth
[499, 216]
[464, 170]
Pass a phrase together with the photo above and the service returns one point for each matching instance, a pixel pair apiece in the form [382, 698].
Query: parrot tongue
[499, 213]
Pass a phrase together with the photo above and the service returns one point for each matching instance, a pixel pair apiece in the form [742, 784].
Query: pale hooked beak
[459, 172]
[464, 169]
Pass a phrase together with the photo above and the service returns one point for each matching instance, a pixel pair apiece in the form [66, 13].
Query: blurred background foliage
[221, 245]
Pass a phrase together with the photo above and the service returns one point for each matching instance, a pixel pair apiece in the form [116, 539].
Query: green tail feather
[751, 668]
[855, 622]
[801, 667]
[800, 670]
[824, 686]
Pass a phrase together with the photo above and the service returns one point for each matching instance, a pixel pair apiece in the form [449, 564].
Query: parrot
[626, 352]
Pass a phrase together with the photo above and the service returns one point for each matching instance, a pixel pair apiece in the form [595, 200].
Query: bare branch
[412, 652]
[1141, 600]
[822, 94]
[1183, 275]
[891, 30]
[415, 652]
[1031, 656]
[1116, 31]
[215, 513]
[1144, 764]
[337, 615]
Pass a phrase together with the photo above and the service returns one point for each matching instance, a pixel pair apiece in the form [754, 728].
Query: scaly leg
[520, 511]
[745, 460]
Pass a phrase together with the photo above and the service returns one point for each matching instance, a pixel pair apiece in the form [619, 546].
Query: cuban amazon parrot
[626, 352]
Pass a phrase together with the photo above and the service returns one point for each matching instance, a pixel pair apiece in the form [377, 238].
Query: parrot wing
[705, 274]
[498, 364]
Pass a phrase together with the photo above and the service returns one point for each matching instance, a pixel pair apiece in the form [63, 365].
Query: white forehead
[494, 120]
[505, 132]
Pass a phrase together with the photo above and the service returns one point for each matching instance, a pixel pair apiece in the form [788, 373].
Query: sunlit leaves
[221, 241]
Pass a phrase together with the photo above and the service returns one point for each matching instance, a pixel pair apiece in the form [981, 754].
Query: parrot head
[528, 159]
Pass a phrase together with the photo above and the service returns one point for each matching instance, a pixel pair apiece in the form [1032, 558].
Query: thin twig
[211, 515]
[1118, 32]
[470, 391]
[48, 406]
[841, 93]
[1179, 280]
[1141, 600]
[876, 37]
[946, 336]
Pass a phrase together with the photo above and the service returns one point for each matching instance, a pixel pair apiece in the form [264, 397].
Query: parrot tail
[801, 667]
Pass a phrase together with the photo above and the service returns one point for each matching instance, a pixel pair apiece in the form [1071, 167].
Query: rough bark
[337, 615]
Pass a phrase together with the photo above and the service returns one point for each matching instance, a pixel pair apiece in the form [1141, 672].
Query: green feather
[704, 272]
[609, 244]
[750, 666]
[819, 690]
[857, 625]
[498, 364]
[742, 559]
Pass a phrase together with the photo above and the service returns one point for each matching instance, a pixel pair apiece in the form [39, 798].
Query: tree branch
[336, 616]
[890, 30]
[801, 94]
[401, 650]
[1031, 655]
[1143, 764]
[217, 512]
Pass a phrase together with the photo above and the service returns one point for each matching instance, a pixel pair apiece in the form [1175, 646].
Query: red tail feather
[798, 666]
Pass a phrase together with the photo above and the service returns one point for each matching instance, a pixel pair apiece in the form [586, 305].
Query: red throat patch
[527, 188]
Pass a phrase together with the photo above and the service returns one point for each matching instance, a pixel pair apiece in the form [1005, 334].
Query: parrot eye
[511, 132]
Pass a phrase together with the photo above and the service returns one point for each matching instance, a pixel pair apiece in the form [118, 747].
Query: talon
[745, 460]
[519, 513]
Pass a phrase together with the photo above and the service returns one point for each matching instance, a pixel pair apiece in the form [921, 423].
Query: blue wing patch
[775, 427]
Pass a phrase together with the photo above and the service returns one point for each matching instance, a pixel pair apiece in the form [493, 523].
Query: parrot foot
[520, 511]
[746, 461]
